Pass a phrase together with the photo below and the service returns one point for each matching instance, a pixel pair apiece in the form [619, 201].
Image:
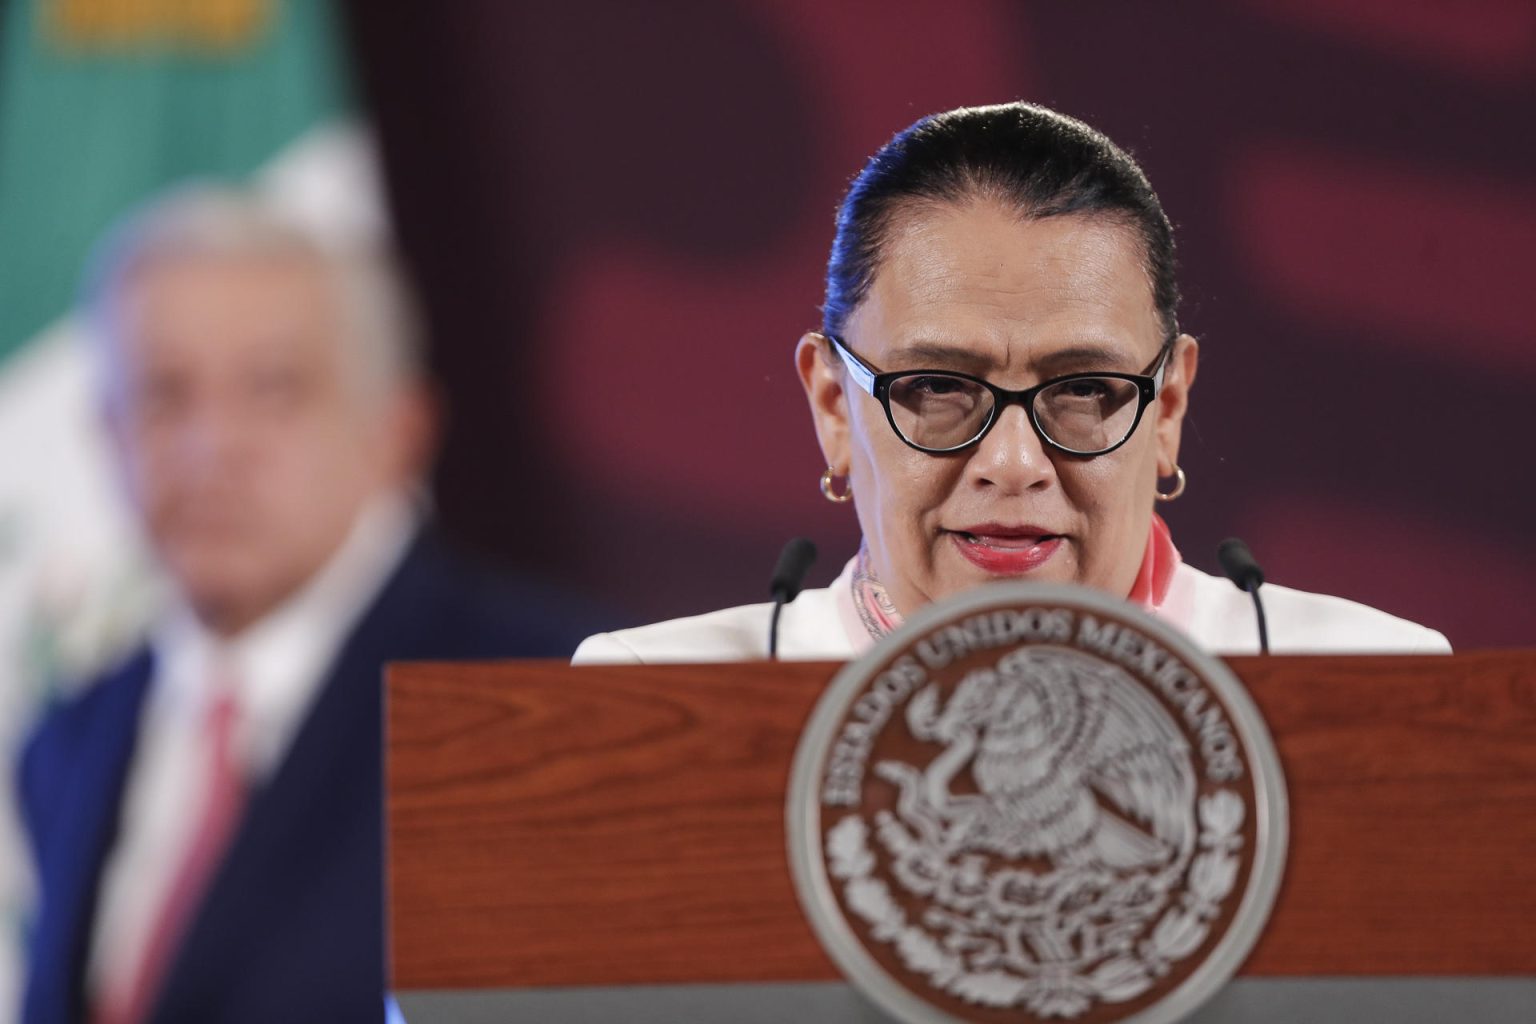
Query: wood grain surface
[552, 826]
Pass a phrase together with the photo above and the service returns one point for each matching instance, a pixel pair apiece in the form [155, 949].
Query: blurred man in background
[206, 819]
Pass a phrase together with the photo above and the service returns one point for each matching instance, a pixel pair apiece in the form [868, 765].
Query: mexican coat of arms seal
[1037, 803]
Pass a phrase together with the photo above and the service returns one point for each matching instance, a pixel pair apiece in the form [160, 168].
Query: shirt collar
[279, 662]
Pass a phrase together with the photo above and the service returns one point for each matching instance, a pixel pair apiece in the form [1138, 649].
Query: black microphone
[788, 577]
[1243, 570]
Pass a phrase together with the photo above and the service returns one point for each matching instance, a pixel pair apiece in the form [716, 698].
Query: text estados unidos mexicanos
[1204, 717]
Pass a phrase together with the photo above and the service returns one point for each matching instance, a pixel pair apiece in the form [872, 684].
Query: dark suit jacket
[292, 928]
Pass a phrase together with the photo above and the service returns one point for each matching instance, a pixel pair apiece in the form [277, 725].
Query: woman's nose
[1012, 456]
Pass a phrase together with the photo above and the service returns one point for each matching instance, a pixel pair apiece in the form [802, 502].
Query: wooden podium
[551, 826]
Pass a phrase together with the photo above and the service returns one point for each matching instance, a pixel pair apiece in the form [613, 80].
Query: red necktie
[131, 997]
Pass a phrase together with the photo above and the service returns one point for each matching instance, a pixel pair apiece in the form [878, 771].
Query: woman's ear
[821, 374]
[1173, 401]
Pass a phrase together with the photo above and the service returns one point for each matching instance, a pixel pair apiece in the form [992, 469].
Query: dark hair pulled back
[1043, 163]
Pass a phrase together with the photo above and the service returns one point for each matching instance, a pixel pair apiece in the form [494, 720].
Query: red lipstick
[1006, 550]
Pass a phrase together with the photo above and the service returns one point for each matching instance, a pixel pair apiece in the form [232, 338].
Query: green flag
[104, 101]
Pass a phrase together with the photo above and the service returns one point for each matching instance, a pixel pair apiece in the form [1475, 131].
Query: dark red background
[619, 214]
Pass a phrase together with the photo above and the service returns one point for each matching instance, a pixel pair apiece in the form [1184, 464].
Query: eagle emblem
[1069, 761]
[1041, 811]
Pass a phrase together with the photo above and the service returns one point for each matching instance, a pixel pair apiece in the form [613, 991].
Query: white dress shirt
[277, 666]
[821, 624]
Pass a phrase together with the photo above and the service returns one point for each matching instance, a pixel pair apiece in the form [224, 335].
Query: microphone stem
[1258, 607]
[773, 629]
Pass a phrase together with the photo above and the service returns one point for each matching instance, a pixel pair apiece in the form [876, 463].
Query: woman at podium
[998, 386]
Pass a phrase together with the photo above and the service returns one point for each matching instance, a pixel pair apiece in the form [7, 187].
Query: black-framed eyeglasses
[941, 411]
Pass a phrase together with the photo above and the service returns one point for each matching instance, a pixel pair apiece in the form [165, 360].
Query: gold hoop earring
[1178, 486]
[829, 489]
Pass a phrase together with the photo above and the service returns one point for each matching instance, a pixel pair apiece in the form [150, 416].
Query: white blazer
[1218, 616]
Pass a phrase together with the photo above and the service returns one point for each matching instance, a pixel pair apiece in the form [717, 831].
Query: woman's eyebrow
[1087, 357]
[934, 355]
[925, 354]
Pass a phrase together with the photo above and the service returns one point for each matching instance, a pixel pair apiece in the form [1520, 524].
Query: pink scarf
[872, 608]
[1157, 564]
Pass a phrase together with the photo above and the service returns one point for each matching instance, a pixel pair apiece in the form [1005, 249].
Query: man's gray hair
[223, 221]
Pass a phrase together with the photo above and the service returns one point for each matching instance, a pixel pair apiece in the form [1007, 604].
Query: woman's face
[976, 288]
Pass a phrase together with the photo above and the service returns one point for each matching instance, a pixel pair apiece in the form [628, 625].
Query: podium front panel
[551, 826]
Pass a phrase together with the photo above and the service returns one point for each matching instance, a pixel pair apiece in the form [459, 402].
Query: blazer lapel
[73, 778]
